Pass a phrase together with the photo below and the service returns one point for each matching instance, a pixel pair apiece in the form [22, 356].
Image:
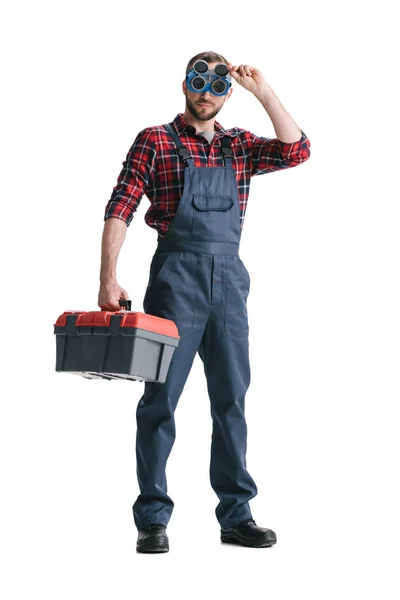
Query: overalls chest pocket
[212, 217]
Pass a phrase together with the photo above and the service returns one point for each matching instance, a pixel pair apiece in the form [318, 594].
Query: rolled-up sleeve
[137, 173]
[271, 154]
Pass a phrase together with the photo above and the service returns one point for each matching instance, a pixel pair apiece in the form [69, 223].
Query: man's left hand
[249, 77]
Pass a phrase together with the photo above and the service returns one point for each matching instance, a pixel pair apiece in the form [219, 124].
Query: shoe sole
[152, 548]
[232, 538]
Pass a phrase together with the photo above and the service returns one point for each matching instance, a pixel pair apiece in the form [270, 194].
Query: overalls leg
[155, 435]
[227, 369]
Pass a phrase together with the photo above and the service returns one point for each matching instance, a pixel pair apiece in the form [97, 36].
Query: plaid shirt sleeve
[137, 173]
[273, 154]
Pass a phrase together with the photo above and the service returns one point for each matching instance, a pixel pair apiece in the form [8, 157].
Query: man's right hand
[109, 294]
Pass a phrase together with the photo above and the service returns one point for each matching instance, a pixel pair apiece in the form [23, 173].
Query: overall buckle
[226, 147]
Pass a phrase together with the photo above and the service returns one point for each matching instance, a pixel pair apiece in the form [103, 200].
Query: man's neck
[200, 126]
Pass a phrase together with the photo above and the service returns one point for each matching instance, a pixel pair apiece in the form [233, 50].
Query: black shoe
[153, 538]
[247, 533]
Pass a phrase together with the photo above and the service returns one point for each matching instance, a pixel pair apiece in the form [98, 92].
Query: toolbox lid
[150, 323]
[62, 319]
[139, 320]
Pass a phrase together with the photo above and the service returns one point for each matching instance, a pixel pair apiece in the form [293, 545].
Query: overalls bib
[198, 280]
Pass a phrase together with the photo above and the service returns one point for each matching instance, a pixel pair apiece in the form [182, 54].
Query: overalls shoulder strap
[185, 154]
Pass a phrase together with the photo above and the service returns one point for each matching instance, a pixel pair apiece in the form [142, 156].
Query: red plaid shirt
[154, 167]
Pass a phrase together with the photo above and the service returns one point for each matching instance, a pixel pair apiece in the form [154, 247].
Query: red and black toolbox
[115, 345]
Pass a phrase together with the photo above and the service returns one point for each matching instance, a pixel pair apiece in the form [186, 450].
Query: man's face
[212, 104]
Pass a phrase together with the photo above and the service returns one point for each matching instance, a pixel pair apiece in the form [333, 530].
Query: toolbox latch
[115, 324]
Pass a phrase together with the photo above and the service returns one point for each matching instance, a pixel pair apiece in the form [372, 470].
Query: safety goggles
[203, 79]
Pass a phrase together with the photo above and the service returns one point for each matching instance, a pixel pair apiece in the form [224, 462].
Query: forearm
[285, 128]
[113, 237]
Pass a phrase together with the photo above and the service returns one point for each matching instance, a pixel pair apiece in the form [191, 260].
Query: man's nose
[205, 96]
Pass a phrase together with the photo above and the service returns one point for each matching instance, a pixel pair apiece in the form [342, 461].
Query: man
[197, 175]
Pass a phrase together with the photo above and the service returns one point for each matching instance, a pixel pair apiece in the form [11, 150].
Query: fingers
[242, 69]
[109, 296]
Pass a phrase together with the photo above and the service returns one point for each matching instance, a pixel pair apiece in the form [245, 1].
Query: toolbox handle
[125, 303]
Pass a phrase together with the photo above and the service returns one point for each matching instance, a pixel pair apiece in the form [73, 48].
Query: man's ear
[229, 94]
[184, 87]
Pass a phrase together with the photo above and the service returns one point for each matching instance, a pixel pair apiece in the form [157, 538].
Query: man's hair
[208, 57]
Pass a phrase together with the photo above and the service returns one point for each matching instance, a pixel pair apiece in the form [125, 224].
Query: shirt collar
[180, 126]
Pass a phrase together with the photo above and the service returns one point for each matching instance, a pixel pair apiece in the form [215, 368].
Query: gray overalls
[198, 280]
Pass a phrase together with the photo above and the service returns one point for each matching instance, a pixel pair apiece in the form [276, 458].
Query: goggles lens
[221, 70]
[198, 83]
[201, 66]
[219, 86]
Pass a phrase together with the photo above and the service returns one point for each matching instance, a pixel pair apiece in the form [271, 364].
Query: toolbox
[115, 345]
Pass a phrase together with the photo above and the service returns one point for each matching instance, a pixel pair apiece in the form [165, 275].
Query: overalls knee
[198, 280]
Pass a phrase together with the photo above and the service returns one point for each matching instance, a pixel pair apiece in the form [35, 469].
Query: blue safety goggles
[202, 79]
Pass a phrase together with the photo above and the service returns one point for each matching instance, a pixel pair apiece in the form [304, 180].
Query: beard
[202, 113]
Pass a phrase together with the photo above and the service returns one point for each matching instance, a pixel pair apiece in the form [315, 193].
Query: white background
[321, 242]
